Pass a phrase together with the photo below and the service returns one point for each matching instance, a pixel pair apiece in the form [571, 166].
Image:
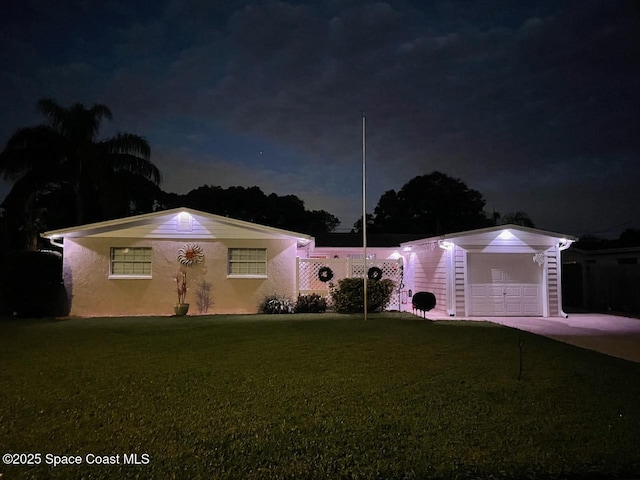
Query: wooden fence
[601, 287]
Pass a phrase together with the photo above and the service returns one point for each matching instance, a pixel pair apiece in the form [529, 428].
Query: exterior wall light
[185, 222]
[446, 244]
[506, 235]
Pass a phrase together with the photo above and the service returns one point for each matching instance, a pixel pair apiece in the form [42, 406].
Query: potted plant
[181, 308]
[189, 255]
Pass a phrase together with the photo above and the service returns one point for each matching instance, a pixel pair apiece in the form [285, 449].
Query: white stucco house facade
[129, 266]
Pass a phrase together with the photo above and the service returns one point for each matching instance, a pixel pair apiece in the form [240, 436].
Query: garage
[504, 285]
[500, 271]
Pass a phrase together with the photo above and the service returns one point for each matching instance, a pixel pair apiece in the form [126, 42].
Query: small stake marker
[520, 363]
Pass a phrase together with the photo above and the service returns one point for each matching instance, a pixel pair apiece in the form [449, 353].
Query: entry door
[506, 284]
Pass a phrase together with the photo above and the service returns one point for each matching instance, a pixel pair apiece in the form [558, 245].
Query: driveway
[608, 334]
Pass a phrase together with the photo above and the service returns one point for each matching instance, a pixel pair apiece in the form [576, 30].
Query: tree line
[435, 204]
[63, 175]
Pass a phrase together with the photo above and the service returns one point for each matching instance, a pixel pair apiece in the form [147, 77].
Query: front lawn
[311, 396]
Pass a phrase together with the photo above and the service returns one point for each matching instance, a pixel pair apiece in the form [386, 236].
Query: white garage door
[504, 284]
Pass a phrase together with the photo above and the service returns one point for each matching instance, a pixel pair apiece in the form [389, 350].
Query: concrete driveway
[608, 334]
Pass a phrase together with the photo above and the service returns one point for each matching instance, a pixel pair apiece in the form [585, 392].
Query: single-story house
[506, 270]
[129, 266]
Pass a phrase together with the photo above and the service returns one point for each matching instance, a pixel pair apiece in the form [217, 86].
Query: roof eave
[147, 218]
[479, 231]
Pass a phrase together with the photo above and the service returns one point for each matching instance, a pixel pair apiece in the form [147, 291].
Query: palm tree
[65, 155]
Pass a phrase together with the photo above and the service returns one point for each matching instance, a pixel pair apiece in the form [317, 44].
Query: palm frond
[97, 113]
[137, 166]
[77, 120]
[101, 111]
[128, 143]
[65, 152]
[30, 148]
[82, 124]
[53, 111]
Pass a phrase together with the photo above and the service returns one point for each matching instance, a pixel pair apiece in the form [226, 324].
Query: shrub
[275, 303]
[33, 283]
[348, 296]
[313, 303]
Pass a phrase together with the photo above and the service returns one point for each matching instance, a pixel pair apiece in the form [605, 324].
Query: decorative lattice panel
[309, 274]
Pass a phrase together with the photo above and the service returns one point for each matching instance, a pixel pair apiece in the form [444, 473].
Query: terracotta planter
[181, 309]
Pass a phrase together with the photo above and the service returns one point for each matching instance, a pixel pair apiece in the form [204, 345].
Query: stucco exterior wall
[92, 293]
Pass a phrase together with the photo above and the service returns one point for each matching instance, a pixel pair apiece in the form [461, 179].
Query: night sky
[536, 104]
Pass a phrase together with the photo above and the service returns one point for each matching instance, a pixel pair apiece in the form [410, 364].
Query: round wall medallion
[190, 254]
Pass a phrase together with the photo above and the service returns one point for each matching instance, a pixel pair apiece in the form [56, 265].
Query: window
[248, 262]
[131, 262]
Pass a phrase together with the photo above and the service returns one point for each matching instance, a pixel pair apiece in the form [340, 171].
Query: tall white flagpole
[364, 214]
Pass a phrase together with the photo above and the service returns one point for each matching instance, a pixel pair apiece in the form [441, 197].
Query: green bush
[312, 303]
[33, 283]
[276, 304]
[348, 296]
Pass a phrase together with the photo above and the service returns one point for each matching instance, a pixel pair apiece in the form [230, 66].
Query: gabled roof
[179, 223]
[458, 237]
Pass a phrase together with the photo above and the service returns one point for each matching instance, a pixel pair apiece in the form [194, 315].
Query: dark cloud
[534, 105]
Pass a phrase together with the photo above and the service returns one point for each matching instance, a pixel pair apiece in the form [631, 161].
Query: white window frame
[127, 250]
[249, 274]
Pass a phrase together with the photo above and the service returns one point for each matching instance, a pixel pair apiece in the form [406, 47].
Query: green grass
[313, 396]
